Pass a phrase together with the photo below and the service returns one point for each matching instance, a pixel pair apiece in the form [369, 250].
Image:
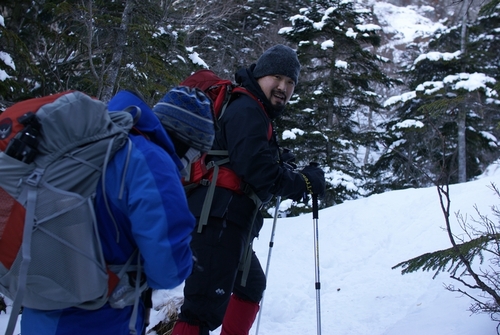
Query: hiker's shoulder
[243, 103]
[144, 150]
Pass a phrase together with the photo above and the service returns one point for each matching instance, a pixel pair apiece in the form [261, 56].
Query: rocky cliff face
[450, 10]
[407, 25]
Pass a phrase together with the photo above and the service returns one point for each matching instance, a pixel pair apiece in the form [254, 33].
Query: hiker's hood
[67, 125]
[145, 121]
[245, 78]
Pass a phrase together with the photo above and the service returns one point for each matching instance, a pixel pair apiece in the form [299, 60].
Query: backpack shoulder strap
[26, 258]
[242, 90]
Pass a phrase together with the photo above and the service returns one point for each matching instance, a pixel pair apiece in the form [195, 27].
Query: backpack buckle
[35, 177]
[210, 165]
[205, 182]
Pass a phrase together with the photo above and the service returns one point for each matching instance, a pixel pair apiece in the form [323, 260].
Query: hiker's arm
[251, 156]
[160, 218]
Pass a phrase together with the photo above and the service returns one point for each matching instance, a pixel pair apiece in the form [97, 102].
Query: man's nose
[282, 85]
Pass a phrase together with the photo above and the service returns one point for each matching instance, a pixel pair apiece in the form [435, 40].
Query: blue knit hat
[278, 59]
[187, 114]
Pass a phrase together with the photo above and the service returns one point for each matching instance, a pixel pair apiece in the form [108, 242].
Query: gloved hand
[288, 159]
[287, 156]
[314, 178]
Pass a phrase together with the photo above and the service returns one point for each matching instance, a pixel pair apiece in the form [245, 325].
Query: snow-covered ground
[359, 242]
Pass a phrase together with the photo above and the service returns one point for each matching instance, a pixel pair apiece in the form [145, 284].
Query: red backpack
[220, 91]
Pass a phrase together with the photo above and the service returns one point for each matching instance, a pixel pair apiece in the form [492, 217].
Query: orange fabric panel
[9, 118]
[12, 215]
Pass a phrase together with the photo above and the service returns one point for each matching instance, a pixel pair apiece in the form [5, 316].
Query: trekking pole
[316, 261]
[271, 244]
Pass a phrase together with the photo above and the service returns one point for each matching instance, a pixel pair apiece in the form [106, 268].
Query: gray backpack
[50, 252]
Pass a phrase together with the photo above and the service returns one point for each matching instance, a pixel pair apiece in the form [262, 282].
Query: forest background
[377, 110]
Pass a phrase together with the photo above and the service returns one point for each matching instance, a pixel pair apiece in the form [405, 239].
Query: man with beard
[228, 281]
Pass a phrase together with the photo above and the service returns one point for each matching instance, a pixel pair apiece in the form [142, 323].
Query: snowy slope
[359, 242]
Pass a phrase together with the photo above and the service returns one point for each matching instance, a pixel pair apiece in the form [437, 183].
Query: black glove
[314, 178]
[288, 160]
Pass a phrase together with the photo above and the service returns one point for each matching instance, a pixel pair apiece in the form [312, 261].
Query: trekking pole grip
[315, 206]
[314, 196]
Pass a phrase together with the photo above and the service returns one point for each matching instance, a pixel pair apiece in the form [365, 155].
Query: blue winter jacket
[148, 203]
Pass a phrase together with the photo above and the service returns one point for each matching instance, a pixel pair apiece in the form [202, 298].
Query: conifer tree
[68, 44]
[232, 34]
[22, 37]
[10, 68]
[340, 76]
[452, 93]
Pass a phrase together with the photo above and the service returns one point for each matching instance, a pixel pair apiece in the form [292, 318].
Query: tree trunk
[121, 41]
[330, 125]
[462, 159]
[370, 128]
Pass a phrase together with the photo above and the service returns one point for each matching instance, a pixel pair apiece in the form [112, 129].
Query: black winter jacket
[243, 131]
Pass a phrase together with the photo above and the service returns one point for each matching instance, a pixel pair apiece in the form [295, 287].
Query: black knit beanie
[278, 59]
